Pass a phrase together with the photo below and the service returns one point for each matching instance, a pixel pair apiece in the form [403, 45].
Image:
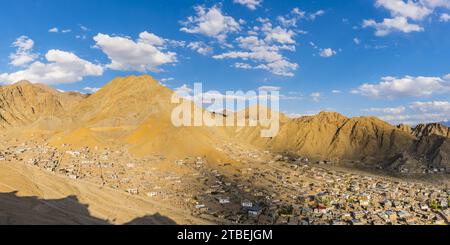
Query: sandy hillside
[31, 196]
[135, 112]
[332, 136]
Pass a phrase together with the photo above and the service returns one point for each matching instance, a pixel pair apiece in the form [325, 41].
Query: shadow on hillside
[16, 210]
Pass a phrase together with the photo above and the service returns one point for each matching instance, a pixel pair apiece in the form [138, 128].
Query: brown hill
[334, 137]
[431, 129]
[405, 128]
[24, 103]
[330, 135]
[124, 102]
[136, 111]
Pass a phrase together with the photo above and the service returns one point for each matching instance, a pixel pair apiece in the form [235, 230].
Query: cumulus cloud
[356, 41]
[409, 86]
[200, 47]
[91, 90]
[404, 11]
[150, 38]
[263, 49]
[251, 4]
[61, 67]
[241, 65]
[387, 110]
[415, 113]
[431, 106]
[210, 22]
[389, 25]
[279, 35]
[24, 52]
[53, 30]
[144, 54]
[410, 9]
[327, 53]
[444, 17]
[316, 96]
[296, 14]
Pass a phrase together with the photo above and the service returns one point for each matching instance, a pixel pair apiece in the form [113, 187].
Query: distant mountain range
[447, 123]
[136, 111]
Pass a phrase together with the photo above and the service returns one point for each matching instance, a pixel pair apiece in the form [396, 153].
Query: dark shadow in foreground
[16, 210]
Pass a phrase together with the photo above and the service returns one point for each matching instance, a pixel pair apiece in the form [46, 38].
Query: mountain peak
[22, 82]
[430, 129]
[135, 80]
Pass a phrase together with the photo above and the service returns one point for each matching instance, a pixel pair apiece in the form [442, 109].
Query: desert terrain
[114, 157]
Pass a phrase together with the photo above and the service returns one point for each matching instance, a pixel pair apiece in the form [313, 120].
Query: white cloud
[447, 77]
[316, 14]
[24, 52]
[403, 11]
[53, 30]
[387, 110]
[356, 41]
[444, 17]
[298, 12]
[291, 19]
[393, 87]
[251, 4]
[244, 66]
[183, 90]
[415, 113]
[91, 90]
[84, 28]
[62, 67]
[263, 49]
[327, 53]
[150, 38]
[389, 25]
[336, 91]
[66, 31]
[210, 22]
[275, 63]
[167, 79]
[431, 106]
[316, 96]
[279, 35]
[436, 3]
[410, 9]
[269, 88]
[141, 55]
[200, 47]
[82, 37]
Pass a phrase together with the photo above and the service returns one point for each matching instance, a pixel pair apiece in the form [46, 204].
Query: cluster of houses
[263, 189]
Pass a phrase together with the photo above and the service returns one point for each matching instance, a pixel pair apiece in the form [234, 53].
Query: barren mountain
[405, 128]
[136, 112]
[431, 129]
[333, 137]
[330, 135]
[23, 103]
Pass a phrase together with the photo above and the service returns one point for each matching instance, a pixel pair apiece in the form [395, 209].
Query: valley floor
[29, 195]
[40, 184]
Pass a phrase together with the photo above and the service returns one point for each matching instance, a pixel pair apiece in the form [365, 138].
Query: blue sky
[388, 58]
